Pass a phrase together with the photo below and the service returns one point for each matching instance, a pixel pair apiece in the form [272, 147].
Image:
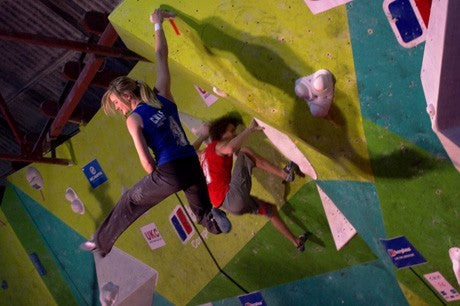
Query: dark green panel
[32, 242]
[419, 197]
[366, 284]
[76, 266]
[269, 259]
[359, 203]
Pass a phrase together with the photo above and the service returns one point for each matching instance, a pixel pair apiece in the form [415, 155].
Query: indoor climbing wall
[374, 168]
[254, 54]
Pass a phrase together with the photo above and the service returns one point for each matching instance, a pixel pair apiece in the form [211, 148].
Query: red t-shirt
[218, 171]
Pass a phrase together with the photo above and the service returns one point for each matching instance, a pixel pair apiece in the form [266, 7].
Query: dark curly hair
[218, 127]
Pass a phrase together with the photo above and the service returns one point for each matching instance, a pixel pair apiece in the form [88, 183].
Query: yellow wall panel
[254, 53]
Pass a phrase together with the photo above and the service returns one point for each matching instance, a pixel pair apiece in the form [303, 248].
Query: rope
[207, 248]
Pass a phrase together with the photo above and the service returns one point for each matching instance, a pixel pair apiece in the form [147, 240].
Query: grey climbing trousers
[180, 174]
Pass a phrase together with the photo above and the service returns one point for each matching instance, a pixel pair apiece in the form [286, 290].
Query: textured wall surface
[255, 53]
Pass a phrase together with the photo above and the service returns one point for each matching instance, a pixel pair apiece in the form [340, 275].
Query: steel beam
[53, 42]
[95, 22]
[12, 123]
[37, 149]
[50, 109]
[108, 38]
[102, 78]
[35, 159]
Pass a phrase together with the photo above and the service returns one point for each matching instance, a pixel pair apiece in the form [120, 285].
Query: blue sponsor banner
[94, 173]
[253, 298]
[402, 252]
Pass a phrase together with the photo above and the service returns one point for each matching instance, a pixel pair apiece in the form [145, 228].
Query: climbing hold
[219, 92]
[317, 90]
[109, 294]
[454, 254]
[35, 180]
[430, 110]
[75, 203]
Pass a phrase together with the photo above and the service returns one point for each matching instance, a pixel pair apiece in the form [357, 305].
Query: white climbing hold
[342, 230]
[219, 92]
[317, 90]
[454, 254]
[288, 148]
[136, 280]
[109, 294]
[196, 126]
[75, 203]
[34, 178]
[431, 111]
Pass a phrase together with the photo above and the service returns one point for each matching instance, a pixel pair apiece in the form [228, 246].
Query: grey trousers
[238, 199]
[181, 174]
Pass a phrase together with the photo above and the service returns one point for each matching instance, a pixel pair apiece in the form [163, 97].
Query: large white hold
[454, 254]
[288, 148]
[319, 6]
[75, 203]
[196, 126]
[440, 77]
[134, 282]
[342, 230]
[109, 294]
[317, 90]
[34, 178]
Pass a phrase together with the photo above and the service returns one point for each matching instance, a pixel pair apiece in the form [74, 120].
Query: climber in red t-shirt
[231, 190]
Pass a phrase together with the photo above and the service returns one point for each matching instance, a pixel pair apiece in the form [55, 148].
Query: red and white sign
[152, 236]
[208, 98]
[442, 286]
[181, 224]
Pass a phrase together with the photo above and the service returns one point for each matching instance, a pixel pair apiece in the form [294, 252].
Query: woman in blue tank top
[153, 122]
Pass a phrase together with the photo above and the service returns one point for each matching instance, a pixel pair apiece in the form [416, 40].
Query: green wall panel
[76, 266]
[31, 240]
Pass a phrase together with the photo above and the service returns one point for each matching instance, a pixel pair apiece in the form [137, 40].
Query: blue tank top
[163, 131]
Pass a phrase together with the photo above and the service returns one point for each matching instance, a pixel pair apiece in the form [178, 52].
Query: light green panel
[254, 53]
[183, 269]
[18, 271]
[411, 297]
[105, 139]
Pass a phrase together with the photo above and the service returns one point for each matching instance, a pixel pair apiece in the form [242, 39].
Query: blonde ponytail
[124, 84]
[147, 95]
